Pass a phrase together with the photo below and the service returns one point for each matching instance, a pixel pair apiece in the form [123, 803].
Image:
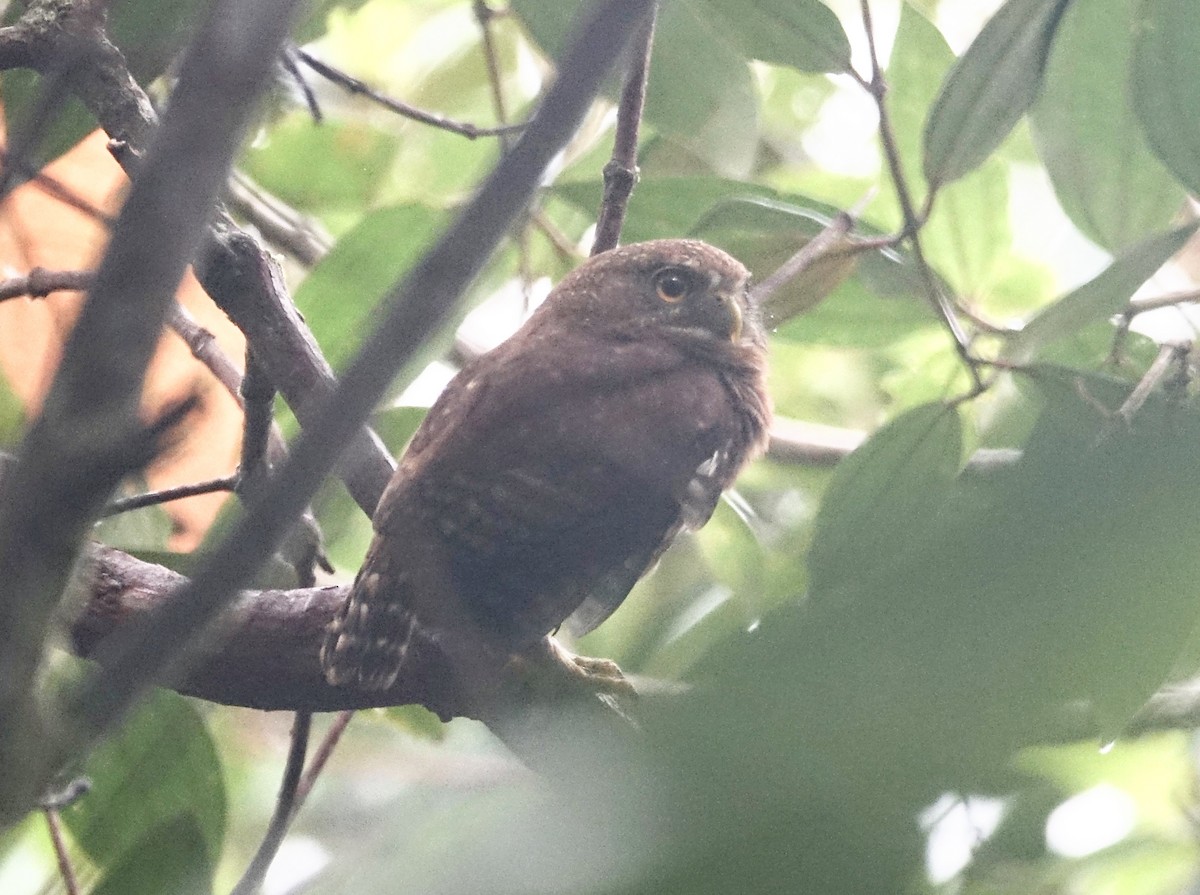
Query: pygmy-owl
[554, 470]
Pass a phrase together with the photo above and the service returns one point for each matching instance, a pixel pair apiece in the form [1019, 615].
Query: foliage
[914, 629]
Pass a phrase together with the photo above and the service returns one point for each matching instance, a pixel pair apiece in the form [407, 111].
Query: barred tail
[366, 643]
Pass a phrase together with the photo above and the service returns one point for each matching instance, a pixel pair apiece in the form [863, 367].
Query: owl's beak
[733, 308]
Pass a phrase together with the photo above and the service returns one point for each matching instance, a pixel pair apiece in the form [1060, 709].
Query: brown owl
[556, 469]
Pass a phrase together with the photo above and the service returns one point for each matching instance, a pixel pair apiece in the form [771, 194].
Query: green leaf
[803, 34]
[1165, 82]
[1099, 298]
[990, 87]
[341, 293]
[1105, 177]
[884, 494]
[337, 166]
[920, 59]
[70, 121]
[160, 767]
[701, 93]
[170, 860]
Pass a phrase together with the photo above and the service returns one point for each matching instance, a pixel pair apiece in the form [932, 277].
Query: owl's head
[682, 287]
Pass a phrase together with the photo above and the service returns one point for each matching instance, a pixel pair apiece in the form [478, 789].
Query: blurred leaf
[150, 34]
[417, 720]
[1165, 82]
[12, 415]
[989, 88]
[313, 23]
[700, 93]
[803, 34]
[1105, 177]
[169, 860]
[1099, 298]
[337, 165]
[160, 768]
[917, 68]
[884, 495]
[340, 294]
[71, 122]
[144, 529]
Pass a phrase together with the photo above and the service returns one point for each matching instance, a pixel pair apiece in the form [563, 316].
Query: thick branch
[265, 652]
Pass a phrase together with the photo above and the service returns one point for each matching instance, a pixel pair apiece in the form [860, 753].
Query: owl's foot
[551, 664]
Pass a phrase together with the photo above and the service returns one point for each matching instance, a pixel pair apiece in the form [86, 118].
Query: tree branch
[621, 172]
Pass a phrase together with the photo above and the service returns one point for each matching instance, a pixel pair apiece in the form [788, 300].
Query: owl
[554, 470]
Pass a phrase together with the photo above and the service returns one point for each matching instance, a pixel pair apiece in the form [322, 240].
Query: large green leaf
[1105, 176]
[701, 93]
[1165, 81]
[803, 34]
[964, 237]
[1099, 298]
[343, 290]
[991, 86]
[160, 768]
[884, 494]
[169, 860]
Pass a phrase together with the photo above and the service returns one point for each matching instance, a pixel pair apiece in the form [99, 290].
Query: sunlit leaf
[1165, 82]
[991, 86]
[1106, 178]
[1099, 298]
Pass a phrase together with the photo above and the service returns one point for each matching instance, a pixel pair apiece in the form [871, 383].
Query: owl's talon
[551, 663]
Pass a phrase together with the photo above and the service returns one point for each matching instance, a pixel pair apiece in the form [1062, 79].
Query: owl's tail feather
[366, 643]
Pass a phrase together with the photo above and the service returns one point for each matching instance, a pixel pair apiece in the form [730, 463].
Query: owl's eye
[672, 284]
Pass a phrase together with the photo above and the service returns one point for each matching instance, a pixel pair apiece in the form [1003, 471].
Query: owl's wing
[695, 509]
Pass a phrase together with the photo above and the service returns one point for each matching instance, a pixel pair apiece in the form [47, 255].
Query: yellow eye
[671, 284]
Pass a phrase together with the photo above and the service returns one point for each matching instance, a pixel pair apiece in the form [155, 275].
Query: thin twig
[285, 809]
[354, 85]
[1168, 356]
[166, 495]
[204, 347]
[484, 15]
[55, 188]
[287, 60]
[65, 868]
[877, 88]
[1154, 302]
[621, 172]
[39, 283]
[258, 397]
[321, 756]
[811, 252]
[281, 225]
